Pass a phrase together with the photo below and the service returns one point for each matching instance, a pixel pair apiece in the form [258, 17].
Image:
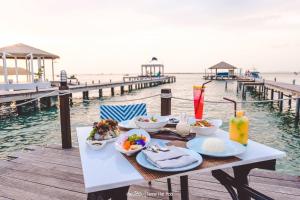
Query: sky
[117, 36]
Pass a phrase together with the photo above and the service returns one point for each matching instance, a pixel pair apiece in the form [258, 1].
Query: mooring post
[225, 85]
[166, 96]
[65, 124]
[112, 91]
[280, 102]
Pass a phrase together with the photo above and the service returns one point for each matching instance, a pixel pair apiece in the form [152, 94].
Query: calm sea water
[267, 125]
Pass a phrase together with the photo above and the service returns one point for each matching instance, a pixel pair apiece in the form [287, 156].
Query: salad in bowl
[103, 131]
[132, 141]
[151, 123]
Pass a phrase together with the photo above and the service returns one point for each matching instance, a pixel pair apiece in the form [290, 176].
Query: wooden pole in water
[290, 101]
[298, 108]
[280, 102]
[66, 139]
[272, 94]
[166, 96]
[100, 93]
[122, 90]
[112, 91]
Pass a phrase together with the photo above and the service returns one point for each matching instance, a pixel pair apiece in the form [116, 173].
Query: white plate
[141, 159]
[127, 124]
[232, 148]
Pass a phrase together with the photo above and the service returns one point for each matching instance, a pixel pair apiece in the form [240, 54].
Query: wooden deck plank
[52, 173]
[34, 190]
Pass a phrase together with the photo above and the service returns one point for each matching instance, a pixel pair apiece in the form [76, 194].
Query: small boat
[253, 74]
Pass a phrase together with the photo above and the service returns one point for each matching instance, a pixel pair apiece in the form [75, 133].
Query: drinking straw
[201, 92]
[234, 102]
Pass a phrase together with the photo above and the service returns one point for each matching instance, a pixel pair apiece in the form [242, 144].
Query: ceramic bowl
[151, 126]
[123, 137]
[216, 123]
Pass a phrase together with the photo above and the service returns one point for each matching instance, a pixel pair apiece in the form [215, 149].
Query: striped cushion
[122, 112]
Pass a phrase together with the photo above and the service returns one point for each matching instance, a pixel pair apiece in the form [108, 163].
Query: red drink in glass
[198, 101]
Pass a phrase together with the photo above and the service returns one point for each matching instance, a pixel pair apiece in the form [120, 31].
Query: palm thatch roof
[222, 65]
[22, 50]
[12, 71]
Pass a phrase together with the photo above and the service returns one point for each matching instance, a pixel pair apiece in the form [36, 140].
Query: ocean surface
[267, 125]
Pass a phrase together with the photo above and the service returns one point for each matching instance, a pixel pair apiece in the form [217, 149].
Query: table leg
[184, 187]
[114, 194]
[240, 180]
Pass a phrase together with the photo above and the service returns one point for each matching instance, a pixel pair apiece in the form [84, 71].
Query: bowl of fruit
[103, 132]
[151, 123]
[204, 127]
[132, 141]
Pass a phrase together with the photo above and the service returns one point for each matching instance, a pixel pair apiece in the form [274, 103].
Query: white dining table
[108, 169]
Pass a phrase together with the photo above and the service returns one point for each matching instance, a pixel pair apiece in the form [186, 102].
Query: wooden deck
[52, 173]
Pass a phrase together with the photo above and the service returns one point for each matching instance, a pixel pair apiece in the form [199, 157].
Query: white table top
[107, 168]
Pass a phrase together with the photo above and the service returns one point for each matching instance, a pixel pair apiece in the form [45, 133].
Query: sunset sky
[116, 36]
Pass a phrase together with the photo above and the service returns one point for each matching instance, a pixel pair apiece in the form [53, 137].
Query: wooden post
[66, 139]
[45, 102]
[225, 85]
[243, 92]
[272, 94]
[166, 96]
[85, 94]
[100, 93]
[71, 99]
[280, 102]
[112, 91]
[122, 89]
[290, 101]
[298, 108]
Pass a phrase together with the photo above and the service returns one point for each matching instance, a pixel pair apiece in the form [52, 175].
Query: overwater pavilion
[153, 68]
[222, 70]
[30, 55]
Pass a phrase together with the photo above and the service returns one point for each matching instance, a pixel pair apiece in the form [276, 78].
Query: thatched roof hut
[22, 51]
[223, 65]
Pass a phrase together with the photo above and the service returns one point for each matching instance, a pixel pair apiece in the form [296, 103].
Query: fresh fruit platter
[104, 130]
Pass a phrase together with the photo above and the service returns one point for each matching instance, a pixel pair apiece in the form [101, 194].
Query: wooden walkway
[52, 173]
[9, 96]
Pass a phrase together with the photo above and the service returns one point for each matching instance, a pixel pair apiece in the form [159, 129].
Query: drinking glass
[198, 101]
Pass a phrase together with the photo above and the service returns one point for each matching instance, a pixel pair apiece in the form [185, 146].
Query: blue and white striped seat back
[122, 112]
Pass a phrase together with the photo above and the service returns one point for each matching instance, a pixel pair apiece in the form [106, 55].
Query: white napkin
[174, 158]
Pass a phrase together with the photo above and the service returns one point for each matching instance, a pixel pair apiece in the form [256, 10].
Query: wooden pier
[132, 83]
[267, 89]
